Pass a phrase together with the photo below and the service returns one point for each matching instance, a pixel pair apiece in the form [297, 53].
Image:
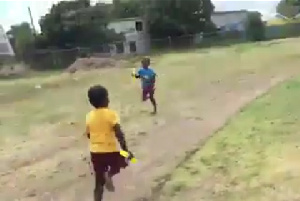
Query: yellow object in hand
[126, 155]
[133, 73]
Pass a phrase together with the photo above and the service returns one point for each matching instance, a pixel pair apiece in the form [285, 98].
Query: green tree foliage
[22, 38]
[76, 23]
[127, 8]
[255, 27]
[288, 8]
[168, 17]
[293, 2]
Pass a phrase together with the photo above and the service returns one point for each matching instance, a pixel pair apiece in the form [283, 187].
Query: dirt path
[63, 173]
[167, 147]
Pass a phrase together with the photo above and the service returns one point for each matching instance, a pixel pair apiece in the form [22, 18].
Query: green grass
[254, 157]
[282, 22]
[41, 129]
[183, 76]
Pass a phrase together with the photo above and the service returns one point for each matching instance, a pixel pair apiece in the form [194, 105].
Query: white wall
[128, 28]
[124, 26]
[228, 19]
[5, 46]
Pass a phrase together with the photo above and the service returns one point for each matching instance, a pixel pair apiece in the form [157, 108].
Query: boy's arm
[121, 137]
[87, 132]
[120, 134]
[137, 75]
[154, 77]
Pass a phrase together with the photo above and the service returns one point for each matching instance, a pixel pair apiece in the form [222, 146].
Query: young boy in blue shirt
[148, 78]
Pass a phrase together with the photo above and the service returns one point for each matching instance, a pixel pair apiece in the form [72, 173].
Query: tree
[178, 17]
[22, 37]
[293, 2]
[255, 27]
[288, 8]
[77, 23]
[168, 17]
[127, 8]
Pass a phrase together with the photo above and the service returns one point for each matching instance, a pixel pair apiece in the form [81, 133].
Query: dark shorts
[111, 163]
[147, 92]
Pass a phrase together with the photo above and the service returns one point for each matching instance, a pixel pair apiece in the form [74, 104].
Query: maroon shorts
[111, 163]
[147, 92]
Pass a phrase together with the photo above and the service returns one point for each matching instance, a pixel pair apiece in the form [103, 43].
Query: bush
[255, 27]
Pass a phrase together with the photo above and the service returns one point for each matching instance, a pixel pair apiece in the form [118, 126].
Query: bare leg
[98, 191]
[153, 101]
[109, 185]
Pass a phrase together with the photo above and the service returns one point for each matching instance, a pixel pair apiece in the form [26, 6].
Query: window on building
[139, 26]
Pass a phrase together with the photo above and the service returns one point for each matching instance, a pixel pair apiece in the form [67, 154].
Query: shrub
[255, 27]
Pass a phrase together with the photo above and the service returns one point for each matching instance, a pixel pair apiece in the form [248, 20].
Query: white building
[5, 47]
[230, 20]
[136, 38]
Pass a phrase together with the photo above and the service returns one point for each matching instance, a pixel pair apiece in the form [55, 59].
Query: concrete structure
[230, 20]
[136, 39]
[5, 47]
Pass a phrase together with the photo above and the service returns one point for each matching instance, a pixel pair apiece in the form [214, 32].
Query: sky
[16, 11]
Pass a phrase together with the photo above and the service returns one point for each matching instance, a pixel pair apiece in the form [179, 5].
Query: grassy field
[23, 107]
[254, 157]
[41, 129]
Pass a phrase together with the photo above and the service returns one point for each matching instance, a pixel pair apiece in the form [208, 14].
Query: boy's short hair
[146, 59]
[98, 96]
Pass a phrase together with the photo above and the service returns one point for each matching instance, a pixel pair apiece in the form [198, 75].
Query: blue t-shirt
[147, 77]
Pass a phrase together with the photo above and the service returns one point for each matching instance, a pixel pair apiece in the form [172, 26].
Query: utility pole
[146, 18]
[31, 19]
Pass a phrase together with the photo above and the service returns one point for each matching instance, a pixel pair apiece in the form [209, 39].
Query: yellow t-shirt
[100, 123]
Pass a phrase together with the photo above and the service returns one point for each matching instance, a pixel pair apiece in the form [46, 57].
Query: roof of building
[126, 19]
[229, 12]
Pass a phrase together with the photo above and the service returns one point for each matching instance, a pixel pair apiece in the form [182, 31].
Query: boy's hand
[86, 135]
[130, 155]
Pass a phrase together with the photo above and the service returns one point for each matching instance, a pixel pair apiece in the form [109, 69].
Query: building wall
[230, 20]
[131, 34]
[5, 46]
[124, 26]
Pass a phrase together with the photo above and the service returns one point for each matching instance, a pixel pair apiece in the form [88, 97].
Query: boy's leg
[144, 95]
[153, 101]
[109, 184]
[99, 170]
[99, 183]
[116, 162]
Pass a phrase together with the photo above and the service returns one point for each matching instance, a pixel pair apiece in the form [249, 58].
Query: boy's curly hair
[98, 96]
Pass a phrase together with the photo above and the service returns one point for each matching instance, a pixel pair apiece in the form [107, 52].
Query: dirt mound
[13, 70]
[93, 63]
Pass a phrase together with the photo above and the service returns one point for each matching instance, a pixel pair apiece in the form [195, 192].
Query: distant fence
[282, 31]
[51, 59]
[61, 59]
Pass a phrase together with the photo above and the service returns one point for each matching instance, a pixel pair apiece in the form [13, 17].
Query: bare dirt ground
[166, 147]
[55, 165]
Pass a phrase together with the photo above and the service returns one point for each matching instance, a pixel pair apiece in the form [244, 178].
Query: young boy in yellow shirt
[103, 130]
